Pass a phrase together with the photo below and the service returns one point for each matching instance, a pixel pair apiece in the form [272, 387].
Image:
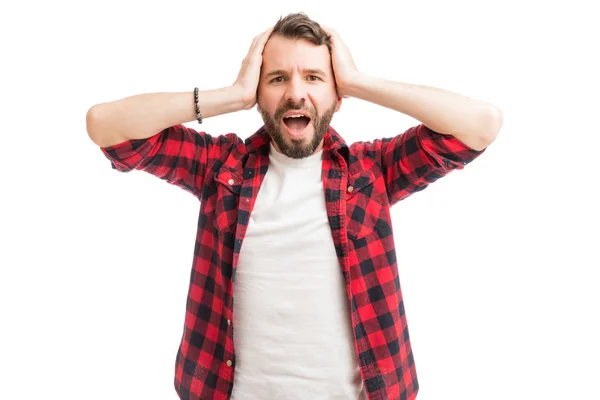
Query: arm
[416, 158]
[143, 115]
[145, 131]
[474, 123]
[454, 129]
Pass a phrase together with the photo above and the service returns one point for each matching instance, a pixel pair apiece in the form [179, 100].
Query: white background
[498, 262]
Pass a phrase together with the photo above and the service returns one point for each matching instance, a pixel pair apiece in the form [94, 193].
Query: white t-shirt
[291, 323]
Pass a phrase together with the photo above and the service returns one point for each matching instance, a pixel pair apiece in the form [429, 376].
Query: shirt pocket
[364, 209]
[228, 185]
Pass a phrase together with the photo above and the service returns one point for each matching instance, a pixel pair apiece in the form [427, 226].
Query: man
[294, 231]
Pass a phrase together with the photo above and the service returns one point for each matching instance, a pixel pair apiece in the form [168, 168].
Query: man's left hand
[344, 69]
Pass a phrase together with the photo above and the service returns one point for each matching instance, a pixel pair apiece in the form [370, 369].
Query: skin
[473, 122]
[297, 75]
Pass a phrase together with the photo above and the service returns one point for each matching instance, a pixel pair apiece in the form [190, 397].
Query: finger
[258, 38]
[264, 38]
[268, 31]
[259, 42]
[329, 30]
[252, 45]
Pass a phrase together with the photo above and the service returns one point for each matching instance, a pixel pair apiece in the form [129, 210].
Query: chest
[355, 203]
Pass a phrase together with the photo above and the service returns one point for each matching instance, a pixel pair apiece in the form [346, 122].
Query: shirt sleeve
[178, 155]
[418, 157]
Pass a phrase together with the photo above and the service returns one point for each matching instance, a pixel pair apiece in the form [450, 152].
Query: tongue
[296, 123]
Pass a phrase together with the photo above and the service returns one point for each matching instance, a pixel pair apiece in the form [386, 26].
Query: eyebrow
[312, 71]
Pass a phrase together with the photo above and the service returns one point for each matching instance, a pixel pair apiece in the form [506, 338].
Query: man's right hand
[249, 76]
[144, 115]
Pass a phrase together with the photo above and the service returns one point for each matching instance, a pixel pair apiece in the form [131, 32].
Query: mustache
[294, 107]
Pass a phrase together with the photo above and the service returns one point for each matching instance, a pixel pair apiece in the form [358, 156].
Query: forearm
[144, 115]
[473, 122]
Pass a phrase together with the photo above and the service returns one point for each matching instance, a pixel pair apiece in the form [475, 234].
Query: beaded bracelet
[198, 116]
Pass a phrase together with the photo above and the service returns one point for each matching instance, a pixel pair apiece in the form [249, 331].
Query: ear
[338, 104]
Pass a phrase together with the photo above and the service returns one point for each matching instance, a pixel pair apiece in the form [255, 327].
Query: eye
[275, 79]
[313, 76]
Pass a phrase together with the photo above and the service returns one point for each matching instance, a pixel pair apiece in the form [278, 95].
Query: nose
[296, 90]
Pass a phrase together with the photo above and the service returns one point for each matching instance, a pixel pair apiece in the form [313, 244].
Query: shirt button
[247, 200]
[231, 181]
[229, 363]
[350, 189]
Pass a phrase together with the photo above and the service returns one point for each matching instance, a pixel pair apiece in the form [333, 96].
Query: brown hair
[299, 26]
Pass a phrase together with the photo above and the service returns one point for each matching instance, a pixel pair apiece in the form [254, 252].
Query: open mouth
[296, 125]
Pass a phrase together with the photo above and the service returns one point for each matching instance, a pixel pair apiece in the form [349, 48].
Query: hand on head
[249, 74]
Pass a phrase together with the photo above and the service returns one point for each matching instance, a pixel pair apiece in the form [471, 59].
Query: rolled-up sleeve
[178, 155]
[418, 157]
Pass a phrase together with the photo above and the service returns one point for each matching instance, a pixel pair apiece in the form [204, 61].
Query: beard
[297, 148]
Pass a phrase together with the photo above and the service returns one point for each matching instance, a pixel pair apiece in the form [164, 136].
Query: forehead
[287, 54]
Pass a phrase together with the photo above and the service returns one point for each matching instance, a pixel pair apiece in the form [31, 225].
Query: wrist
[235, 96]
[244, 99]
[357, 84]
[218, 101]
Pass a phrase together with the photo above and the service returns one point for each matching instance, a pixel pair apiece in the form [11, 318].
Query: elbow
[97, 129]
[488, 128]
[91, 124]
[493, 124]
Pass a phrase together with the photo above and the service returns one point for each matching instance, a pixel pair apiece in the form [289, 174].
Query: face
[296, 95]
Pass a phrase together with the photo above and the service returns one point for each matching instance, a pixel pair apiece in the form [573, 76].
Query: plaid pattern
[361, 181]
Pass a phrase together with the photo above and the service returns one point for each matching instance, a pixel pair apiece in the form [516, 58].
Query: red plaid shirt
[361, 181]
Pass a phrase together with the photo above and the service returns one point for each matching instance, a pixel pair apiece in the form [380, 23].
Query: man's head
[297, 78]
